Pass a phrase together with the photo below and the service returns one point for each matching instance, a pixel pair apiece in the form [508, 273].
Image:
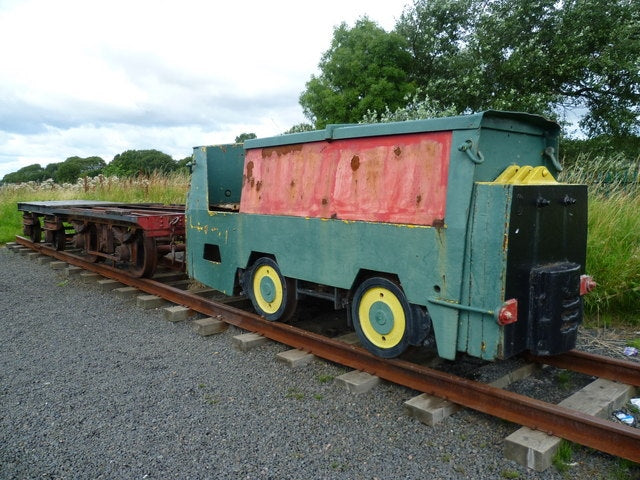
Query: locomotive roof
[512, 121]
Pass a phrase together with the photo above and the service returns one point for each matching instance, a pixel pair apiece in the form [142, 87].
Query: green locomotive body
[453, 227]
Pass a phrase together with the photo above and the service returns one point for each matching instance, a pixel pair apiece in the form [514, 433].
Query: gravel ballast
[92, 386]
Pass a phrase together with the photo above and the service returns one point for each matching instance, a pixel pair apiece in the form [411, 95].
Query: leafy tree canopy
[418, 106]
[299, 128]
[75, 167]
[540, 56]
[365, 68]
[245, 136]
[30, 173]
[557, 58]
[140, 162]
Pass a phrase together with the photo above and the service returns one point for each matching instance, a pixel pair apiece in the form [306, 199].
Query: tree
[75, 167]
[438, 33]
[366, 68]
[51, 169]
[245, 136]
[140, 162]
[30, 173]
[299, 128]
[540, 56]
[184, 164]
[418, 107]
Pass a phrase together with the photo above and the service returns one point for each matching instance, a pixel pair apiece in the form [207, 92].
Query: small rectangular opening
[212, 253]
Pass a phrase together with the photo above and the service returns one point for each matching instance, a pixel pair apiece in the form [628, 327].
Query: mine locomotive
[449, 229]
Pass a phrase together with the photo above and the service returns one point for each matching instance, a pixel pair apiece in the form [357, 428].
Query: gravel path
[93, 387]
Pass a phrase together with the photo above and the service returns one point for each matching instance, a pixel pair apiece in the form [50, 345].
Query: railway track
[603, 435]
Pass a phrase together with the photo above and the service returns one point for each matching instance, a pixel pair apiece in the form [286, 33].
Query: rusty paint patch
[438, 223]
[258, 185]
[355, 162]
[399, 179]
[281, 150]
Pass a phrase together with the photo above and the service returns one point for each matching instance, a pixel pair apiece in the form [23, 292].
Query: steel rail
[606, 436]
[622, 371]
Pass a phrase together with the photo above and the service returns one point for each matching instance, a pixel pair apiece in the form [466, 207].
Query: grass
[614, 254]
[562, 457]
[324, 378]
[613, 245]
[509, 474]
[564, 379]
[295, 394]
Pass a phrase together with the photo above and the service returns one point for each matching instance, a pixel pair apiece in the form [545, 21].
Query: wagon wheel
[144, 256]
[381, 317]
[272, 295]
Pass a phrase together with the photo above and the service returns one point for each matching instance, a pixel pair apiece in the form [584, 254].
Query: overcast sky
[85, 77]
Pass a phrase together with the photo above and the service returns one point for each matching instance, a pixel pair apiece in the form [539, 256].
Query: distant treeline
[130, 163]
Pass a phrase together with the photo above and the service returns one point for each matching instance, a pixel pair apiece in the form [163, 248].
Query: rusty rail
[622, 371]
[593, 432]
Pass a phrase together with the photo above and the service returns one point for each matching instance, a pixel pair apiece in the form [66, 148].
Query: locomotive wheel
[381, 316]
[272, 295]
[144, 257]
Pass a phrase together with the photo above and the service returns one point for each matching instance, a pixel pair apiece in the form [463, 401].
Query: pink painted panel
[395, 179]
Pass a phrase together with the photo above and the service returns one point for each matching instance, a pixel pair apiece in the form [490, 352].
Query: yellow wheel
[381, 317]
[272, 295]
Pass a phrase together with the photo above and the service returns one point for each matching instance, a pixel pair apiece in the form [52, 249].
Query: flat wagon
[138, 236]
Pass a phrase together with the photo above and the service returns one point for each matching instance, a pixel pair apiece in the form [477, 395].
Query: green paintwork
[457, 271]
[225, 164]
[479, 334]
[267, 289]
[381, 318]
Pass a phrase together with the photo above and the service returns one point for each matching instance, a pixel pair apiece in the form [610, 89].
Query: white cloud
[85, 77]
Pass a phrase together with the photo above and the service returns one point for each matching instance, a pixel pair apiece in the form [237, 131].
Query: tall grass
[157, 188]
[613, 246]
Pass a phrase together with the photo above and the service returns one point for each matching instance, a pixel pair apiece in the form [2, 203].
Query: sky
[88, 77]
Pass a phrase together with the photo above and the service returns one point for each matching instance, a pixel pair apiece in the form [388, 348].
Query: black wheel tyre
[381, 317]
[144, 258]
[273, 296]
